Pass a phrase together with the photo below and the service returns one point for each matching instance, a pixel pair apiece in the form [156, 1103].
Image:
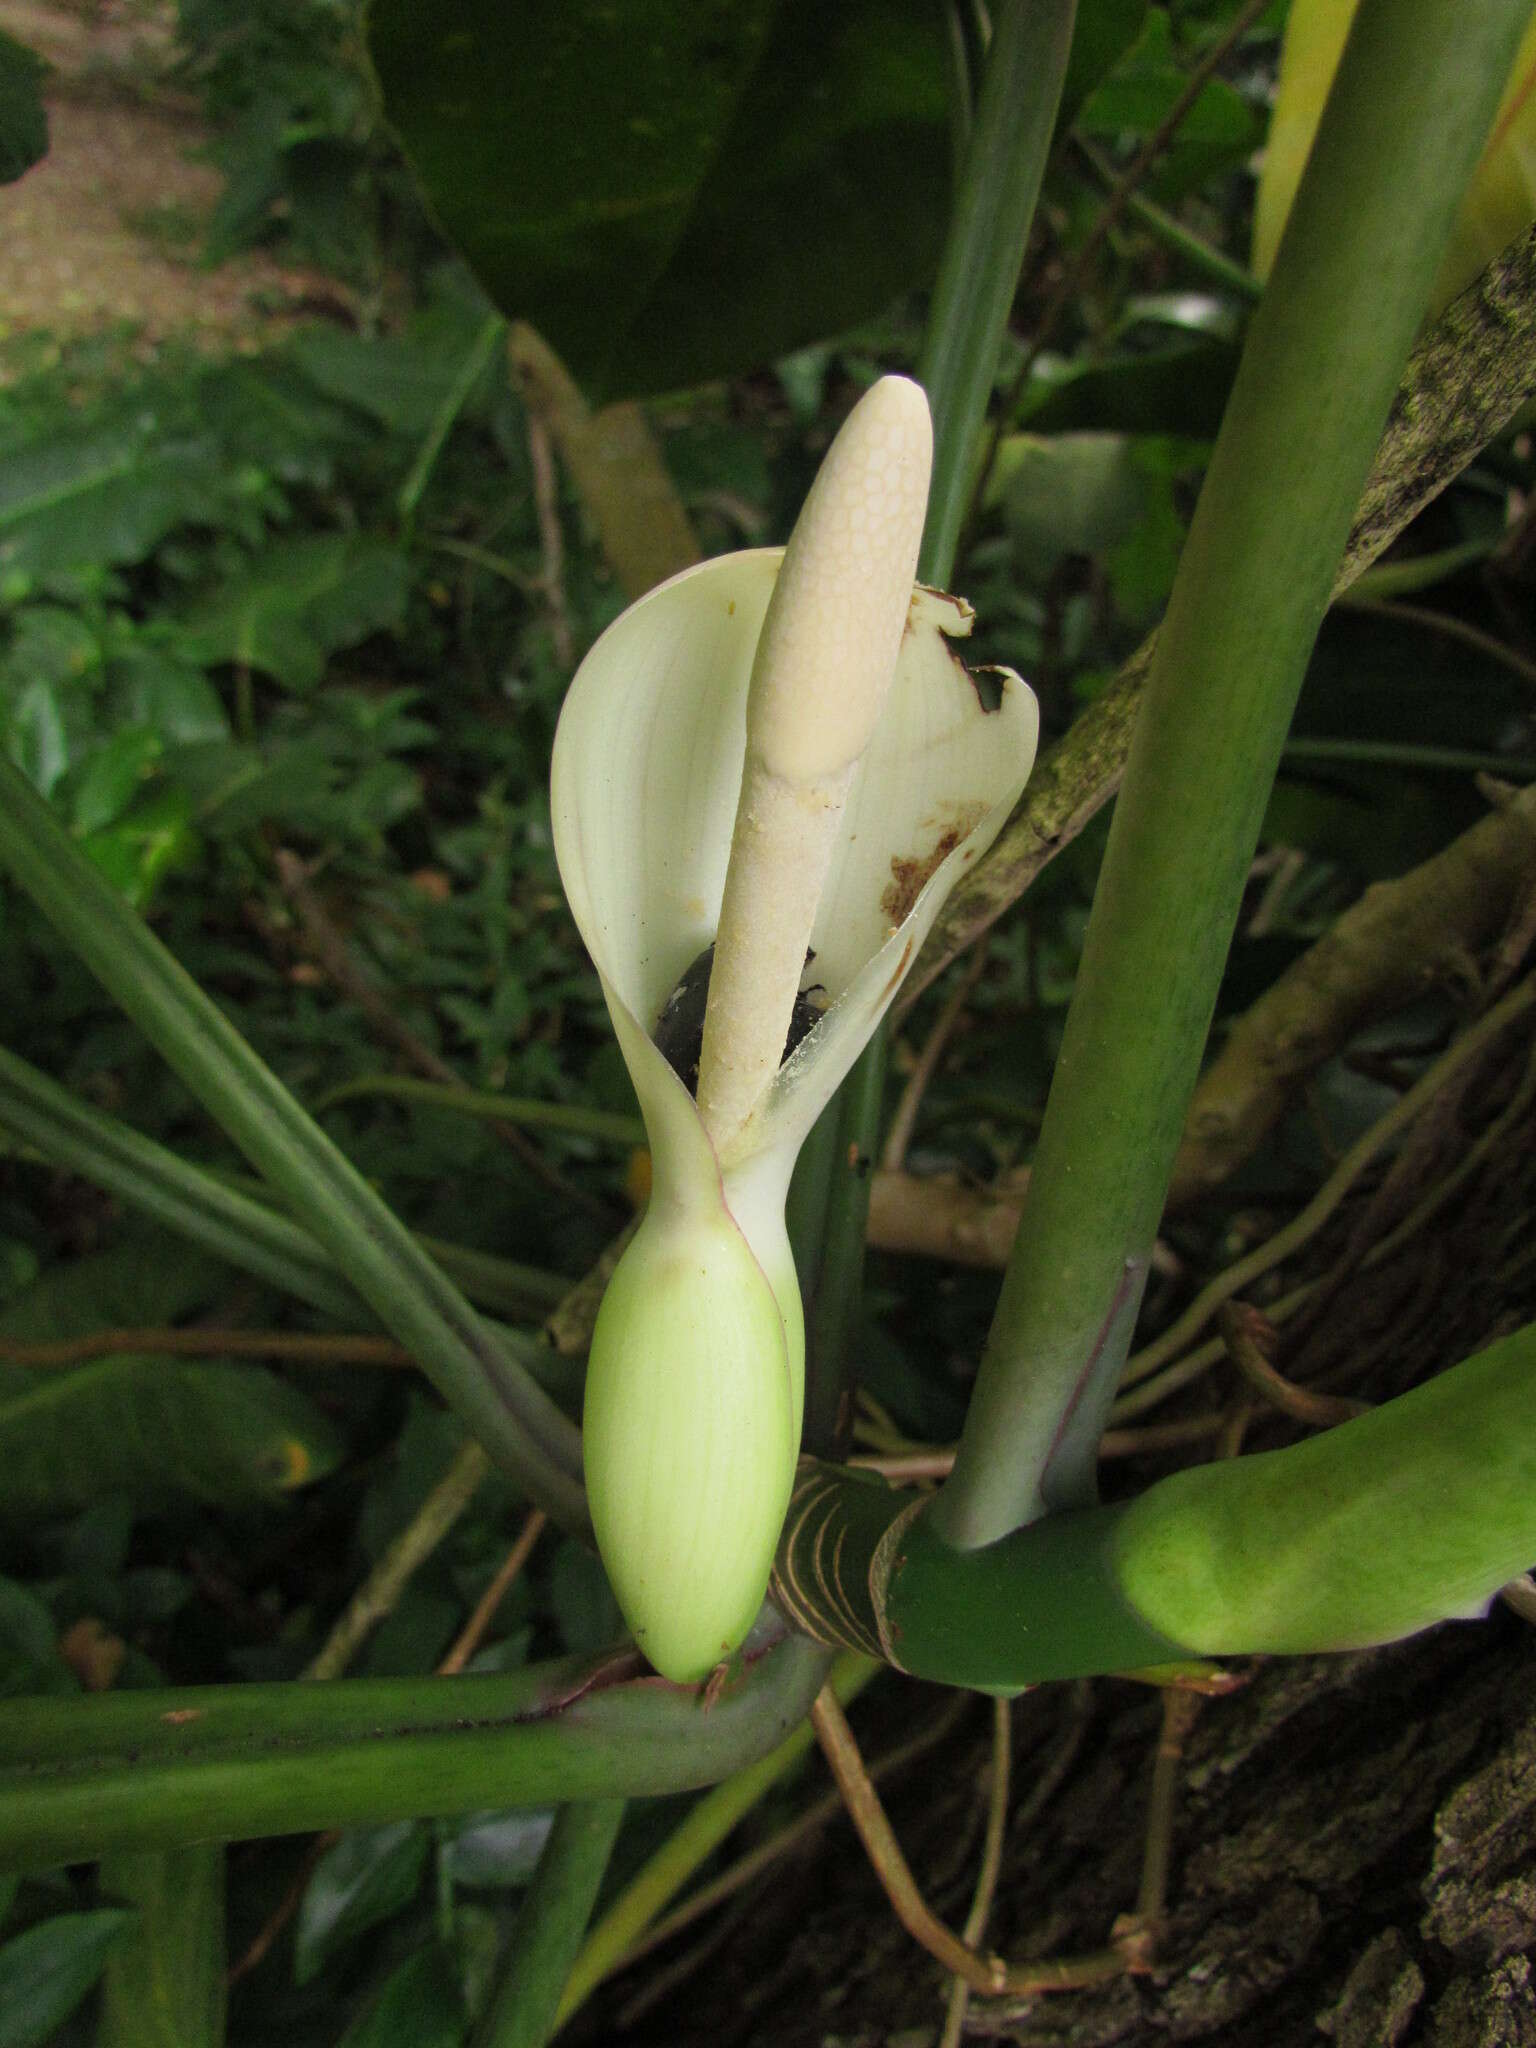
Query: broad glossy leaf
[368, 1875]
[45, 1972]
[154, 1428]
[675, 192]
[164, 1982]
[298, 602]
[419, 2007]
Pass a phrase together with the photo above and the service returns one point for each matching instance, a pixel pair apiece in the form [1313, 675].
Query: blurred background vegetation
[293, 573]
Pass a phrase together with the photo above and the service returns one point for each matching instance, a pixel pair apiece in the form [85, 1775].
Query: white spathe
[646, 773]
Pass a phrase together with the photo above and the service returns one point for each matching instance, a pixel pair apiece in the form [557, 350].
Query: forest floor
[104, 233]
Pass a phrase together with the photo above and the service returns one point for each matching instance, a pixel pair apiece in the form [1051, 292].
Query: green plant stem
[1416, 1513]
[550, 1924]
[251, 1235]
[79, 1777]
[412, 1297]
[1010, 138]
[186, 1199]
[607, 1126]
[984, 251]
[654, 1887]
[1415, 93]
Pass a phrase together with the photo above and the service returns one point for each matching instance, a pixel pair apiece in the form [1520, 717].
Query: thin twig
[1241, 1274]
[1140, 1931]
[377, 1595]
[469, 1638]
[818, 1815]
[991, 1866]
[904, 1122]
[1429, 620]
[296, 1346]
[546, 500]
[987, 1974]
[1240, 1327]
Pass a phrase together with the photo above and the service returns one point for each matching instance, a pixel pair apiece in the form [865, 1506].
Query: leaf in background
[671, 194]
[29, 1646]
[45, 1972]
[297, 602]
[419, 2007]
[113, 777]
[149, 1277]
[498, 1849]
[1220, 131]
[23, 117]
[400, 380]
[1110, 497]
[136, 851]
[164, 1982]
[363, 1879]
[153, 1428]
[1104, 31]
[1175, 390]
[104, 496]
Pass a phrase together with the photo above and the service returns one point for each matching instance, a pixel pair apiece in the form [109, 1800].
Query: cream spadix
[821, 674]
[696, 1380]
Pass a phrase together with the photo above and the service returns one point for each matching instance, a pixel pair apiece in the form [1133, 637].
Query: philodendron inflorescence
[777, 754]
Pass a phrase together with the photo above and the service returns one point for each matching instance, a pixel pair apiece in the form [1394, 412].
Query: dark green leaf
[297, 603]
[164, 1983]
[155, 1427]
[113, 777]
[45, 1972]
[105, 496]
[148, 1278]
[23, 117]
[677, 193]
[1104, 31]
[419, 2007]
[1177, 390]
[367, 1876]
[29, 1647]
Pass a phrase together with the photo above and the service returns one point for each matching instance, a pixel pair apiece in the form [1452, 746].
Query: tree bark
[1354, 1859]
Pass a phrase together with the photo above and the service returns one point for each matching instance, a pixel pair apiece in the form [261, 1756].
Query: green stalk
[999, 184]
[1413, 99]
[550, 1924]
[984, 252]
[698, 1835]
[608, 1126]
[412, 1297]
[1413, 1514]
[80, 1777]
[252, 1236]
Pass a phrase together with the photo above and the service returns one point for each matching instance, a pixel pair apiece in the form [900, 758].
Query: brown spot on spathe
[910, 876]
